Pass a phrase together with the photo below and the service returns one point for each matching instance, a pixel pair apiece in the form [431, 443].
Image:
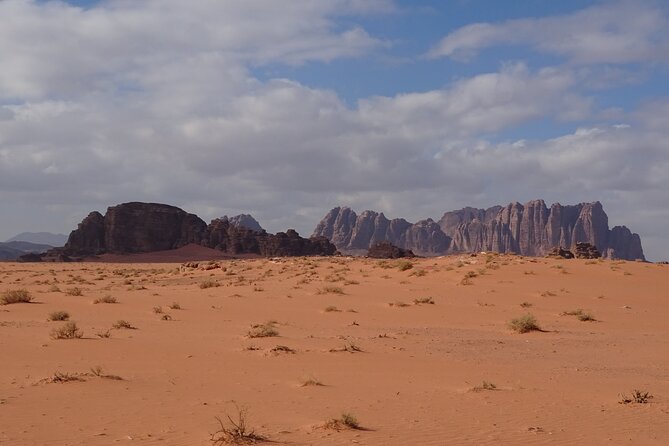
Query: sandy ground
[414, 382]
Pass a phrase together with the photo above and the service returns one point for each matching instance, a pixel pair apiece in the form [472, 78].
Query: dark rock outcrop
[386, 250]
[586, 251]
[147, 227]
[531, 229]
[559, 253]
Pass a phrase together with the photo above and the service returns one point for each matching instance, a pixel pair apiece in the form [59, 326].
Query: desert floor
[417, 379]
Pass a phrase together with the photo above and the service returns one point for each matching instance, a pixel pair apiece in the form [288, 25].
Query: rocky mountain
[147, 227]
[530, 229]
[40, 238]
[15, 249]
[245, 221]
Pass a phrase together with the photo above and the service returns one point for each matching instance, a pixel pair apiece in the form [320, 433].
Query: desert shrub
[345, 421]
[105, 300]
[526, 304]
[122, 324]
[76, 291]
[418, 273]
[637, 397]
[67, 331]
[423, 300]
[524, 324]
[485, 385]
[175, 306]
[329, 289]
[235, 431]
[158, 310]
[332, 309]
[59, 316]
[21, 296]
[166, 317]
[398, 304]
[282, 349]
[266, 330]
[209, 283]
[310, 381]
[583, 316]
[103, 334]
[404, 265]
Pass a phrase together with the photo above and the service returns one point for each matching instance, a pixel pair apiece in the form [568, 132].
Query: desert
[334, 350]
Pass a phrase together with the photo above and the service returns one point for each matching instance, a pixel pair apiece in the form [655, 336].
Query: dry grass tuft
[524, 324]
[637, 397]
[209, 284]
[345, 421]
[329, 289]
[122, 324]
[20, 296]
[67, 331]
[485, 385]
[423, 301]
[76, 291]
[236, 431]
[105, 300]
[59, 316]
[266, 330]
[583, 316]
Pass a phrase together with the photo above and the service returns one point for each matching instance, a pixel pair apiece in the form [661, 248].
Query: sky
[286, 109]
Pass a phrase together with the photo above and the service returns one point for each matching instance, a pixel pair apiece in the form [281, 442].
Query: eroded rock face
[245, 221]
[147, 227]
[530, 229]
[355, 234]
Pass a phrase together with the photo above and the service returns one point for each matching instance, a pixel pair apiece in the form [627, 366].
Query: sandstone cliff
[146, 227]
[531, 229]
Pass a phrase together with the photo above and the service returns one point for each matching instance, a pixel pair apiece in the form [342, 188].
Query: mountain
[40, 238]
[530, 229]
[147, 227]
[15, 249]
[244, 221]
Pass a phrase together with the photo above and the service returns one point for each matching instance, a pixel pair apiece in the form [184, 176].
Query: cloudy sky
[287, 108]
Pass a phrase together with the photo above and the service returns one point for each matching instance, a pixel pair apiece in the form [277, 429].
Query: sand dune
[411, 373]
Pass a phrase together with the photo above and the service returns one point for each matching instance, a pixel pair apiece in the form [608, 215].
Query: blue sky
[286, 109]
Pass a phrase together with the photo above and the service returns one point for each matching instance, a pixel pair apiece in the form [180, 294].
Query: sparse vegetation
[404, 265]
[583, 316]
[525, 304]
[423, 300]
[637, 397]
[282, 349]
[485, 385]
[103, 334]
[105, 300]
[67, 331]
[524, 324]
[236, 431]
[329, 289]
[20, 296]
[209, 283]
[158, 310]
[332, 309]
[76, 291]
[59, 316]
[122, 324]
[266, 330]
[345, 421]
[310, 381]
[175, 306]
[348, 347]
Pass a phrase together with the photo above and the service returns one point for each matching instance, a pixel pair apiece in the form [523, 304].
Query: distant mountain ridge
[40, 238]
[531, 229]
[138, 227]
[15, 249]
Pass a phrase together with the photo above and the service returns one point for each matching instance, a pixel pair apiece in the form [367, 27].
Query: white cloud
[609, 33]
[155, 101]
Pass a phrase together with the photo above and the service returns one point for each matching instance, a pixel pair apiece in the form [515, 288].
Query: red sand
[412, 384]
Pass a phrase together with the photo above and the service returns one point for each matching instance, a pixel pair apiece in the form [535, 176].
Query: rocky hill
[15, 249]
[40, 238]
[147, 227]
[531, 229]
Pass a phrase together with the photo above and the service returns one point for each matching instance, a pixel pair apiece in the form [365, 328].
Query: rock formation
[531, 229]
[386, 250]
[147, 227]
[244, 220]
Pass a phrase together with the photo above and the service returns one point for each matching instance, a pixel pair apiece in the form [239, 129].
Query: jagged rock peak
[529, 229]
[244, 220]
